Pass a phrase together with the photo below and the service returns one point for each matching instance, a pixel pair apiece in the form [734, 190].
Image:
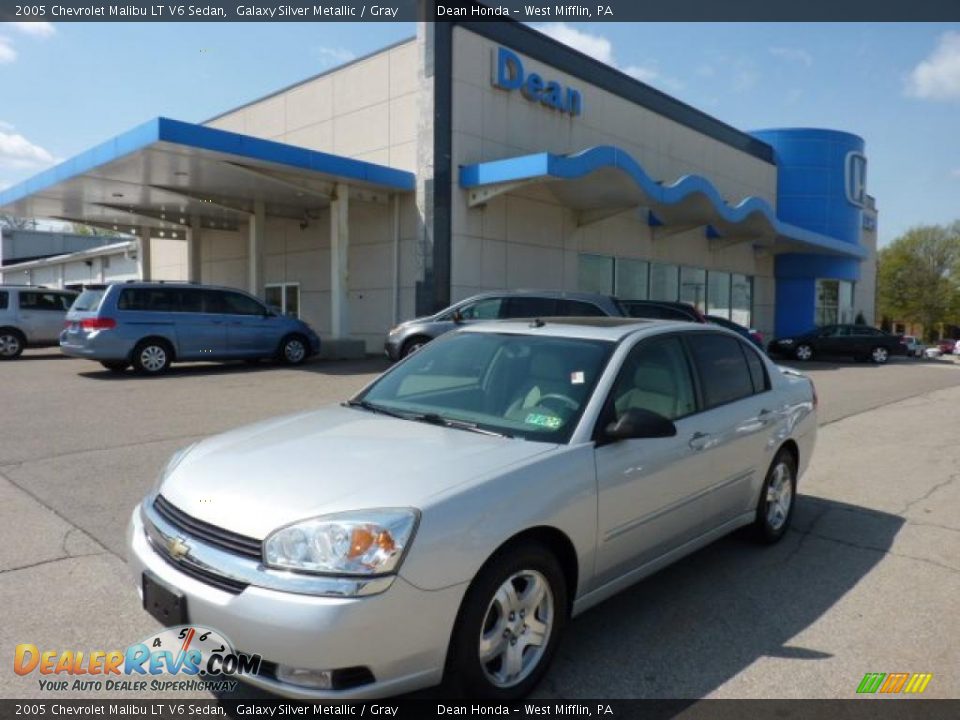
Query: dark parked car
[861, 342]
[662, 310]
[410, 336]
[747, 333]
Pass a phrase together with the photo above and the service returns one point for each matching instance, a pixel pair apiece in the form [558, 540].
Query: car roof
[565, 294]
[176, 284]
[613, 329]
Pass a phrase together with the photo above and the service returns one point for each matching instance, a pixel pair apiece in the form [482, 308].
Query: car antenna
[537, 323]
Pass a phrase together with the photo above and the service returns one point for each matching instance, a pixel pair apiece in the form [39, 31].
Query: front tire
[879, 355]
[12, 343]
[293, 350]
[412, 345]
[775, 507]
[152, 357]
[804, 352]
[509, 625]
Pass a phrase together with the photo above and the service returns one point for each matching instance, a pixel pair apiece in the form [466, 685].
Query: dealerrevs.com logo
[186, 658]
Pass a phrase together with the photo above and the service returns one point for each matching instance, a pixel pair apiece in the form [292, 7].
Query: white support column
[194, 256]
[144, 256]
[255, 249]
[339, 250]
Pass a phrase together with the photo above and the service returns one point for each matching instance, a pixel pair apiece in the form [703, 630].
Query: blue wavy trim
[572, 167]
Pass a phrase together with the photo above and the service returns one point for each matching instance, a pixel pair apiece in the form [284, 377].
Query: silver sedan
[448, 521]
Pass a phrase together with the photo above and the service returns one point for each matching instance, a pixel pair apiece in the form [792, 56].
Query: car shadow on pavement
[362, 366]
[688, 629]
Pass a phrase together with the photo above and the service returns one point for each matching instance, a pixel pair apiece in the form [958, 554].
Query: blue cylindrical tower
[821, 186]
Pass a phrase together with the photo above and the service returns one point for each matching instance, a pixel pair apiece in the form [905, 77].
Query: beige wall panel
[309, 104]
[362, 84]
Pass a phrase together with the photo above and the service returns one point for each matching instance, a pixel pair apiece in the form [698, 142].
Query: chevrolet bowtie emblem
[177, 548]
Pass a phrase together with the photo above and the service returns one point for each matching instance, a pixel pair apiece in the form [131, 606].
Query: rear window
[89, 300]
[657, 312]
[722, 366]
[529, 307]
[4, 300]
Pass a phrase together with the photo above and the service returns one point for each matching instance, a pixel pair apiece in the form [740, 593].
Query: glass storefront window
[693, 287]
[664, 281]
[718, 294]
[834, 302]
[631, 276]
[285, 297]
[595, 274]
[741, 299]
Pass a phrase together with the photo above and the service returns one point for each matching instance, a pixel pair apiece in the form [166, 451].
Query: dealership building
[481, 156]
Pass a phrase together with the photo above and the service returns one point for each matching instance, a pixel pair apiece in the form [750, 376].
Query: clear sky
[68, 86]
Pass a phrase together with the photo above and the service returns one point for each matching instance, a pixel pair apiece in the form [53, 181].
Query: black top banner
[493, 10]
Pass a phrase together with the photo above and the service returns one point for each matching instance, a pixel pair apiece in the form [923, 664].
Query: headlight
[171, 465]
[369, 542]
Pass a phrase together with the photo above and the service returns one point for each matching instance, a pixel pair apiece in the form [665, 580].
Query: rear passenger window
[191, 301]
[576, 308]
[148, 300]
[44, 301]
[4, 300]
[529, 307]
[722, 367]
[758, 372]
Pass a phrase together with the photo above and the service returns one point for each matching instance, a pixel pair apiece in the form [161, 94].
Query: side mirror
[456, 317]
[637, 423]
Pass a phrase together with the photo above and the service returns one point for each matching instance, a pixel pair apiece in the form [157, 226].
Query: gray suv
[150, 325]
[31, 316]
[410, 336]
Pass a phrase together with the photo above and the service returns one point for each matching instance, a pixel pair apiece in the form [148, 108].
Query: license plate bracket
[163, 602]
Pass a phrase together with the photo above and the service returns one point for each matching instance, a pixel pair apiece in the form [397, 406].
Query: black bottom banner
[853, 709]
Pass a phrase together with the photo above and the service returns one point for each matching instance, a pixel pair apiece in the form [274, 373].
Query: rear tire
[117, 366]
[293, 350]
[152, 357]
[12, 343]
[517, 599]
[777, 499]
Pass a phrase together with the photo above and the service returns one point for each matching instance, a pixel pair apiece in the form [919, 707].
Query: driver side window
[656, 377]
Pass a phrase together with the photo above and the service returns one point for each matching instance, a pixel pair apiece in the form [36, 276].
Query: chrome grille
[205, 532]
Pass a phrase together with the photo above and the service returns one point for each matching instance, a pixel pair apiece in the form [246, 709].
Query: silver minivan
[31, 316]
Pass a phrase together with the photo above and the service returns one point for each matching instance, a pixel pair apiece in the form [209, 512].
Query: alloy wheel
[879, 355]
[779, 496]
[294, 351]
[804, 352]
[9, 345]
[516, 628]
[153, 358]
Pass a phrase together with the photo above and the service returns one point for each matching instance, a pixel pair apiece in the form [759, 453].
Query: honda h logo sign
[855, 178]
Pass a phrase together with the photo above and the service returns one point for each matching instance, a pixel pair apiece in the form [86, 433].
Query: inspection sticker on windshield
[576, 378]
[547, 421]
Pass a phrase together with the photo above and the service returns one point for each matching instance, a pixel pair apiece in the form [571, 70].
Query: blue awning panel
[165, 168]
[606, 176]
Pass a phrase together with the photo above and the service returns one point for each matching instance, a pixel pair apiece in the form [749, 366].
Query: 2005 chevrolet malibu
[448, 521]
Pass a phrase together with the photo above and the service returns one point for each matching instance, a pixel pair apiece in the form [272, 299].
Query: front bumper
[391, 348]
[401, 635]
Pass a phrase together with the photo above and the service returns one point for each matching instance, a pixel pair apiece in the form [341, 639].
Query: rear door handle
[698, 440]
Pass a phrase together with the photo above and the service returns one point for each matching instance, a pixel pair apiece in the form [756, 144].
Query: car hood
[255, 479]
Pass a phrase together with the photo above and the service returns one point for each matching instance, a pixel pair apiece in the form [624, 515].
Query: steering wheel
[561, 399]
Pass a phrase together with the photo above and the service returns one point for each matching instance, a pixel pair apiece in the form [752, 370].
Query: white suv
[31, 317]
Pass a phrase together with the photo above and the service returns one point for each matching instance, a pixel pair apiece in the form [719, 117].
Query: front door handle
[698, 441]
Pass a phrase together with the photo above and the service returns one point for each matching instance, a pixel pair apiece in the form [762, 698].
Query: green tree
[918, 276]
[11, 222]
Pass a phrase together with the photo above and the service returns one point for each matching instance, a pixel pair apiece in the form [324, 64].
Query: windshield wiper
[430, 418]
[365, 405]
[436, 419]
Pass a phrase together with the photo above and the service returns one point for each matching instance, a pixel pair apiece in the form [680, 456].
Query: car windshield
[88, 301]
[525, 386]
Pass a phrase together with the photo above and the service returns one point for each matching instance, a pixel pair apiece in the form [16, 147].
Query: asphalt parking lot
[868, 580]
